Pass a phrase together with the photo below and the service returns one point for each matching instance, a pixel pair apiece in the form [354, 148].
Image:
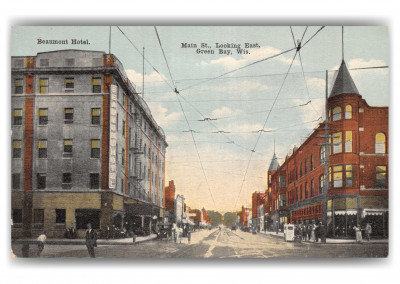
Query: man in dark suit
[91, 240]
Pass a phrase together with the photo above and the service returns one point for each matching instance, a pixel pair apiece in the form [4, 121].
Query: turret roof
[344, 84]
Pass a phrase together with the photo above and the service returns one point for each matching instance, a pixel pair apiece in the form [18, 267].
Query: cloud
[230, 62]
[153, 77]
[316, 84]
[225, 111]
[309, 112]
[162, 116]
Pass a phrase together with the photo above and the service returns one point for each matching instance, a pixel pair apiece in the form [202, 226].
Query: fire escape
[136, 175]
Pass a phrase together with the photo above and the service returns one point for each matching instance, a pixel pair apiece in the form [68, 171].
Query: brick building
[358, 168]
[85, 147]
[257, 210]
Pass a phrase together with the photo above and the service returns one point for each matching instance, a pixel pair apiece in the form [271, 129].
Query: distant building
[85, 147]
[257, 216]
[358, 168]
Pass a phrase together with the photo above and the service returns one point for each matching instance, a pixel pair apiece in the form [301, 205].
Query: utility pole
[143, 76]
[109, 41]
[326, 165]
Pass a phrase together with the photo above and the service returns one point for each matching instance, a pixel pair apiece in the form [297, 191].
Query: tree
[229, 219]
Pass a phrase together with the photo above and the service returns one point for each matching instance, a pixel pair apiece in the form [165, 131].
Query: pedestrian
[174, 232]
[189, 236]
[41, 240]
[368, 231]
[303, 232]
[309, 228]
[358, 233]
[312, 238]
[91, 240]
[276, 227]
[317, 231]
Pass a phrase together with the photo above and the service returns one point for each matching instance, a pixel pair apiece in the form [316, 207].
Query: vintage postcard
[199, 141]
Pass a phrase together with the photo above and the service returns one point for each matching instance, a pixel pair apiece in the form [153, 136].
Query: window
[60, 216]
[15, 181]
[380, 143]
[337, 176]
[380, 180]
[42, 148]
[18, 86]
[123, 128]
[41, 181]
[312, 162]
[348, 141]
[17, 116]
[117, 122]
[96, 84]
[95, 148]
[17, 216]
[86, 216]
[322, 155]
[70, 62]
[44, 62]
[43, 118]
[67, 148]
[305, 167]
[349, 175]
[68, 115]
[337, 142]
[16, 149]
[122, 185]
[312, 188]
[69, 85]
[123, 157]
[321, 184]
[301, 170]
[43, 86]
[116, 153]
[66, 180]
[347, 112]
[94, 181]
[282, 181]
[337, 113]
[96, 116]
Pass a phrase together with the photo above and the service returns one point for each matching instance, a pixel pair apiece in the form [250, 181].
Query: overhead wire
[258, 138]
[187, 122]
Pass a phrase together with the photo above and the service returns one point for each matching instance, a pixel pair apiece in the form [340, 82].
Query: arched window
[321, 155]
[321, 184]
[347, 112]
[337, 113]
[380, 143]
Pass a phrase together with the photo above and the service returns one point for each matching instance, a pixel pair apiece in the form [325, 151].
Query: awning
[186, 221]
[343, 212]
[376, 212]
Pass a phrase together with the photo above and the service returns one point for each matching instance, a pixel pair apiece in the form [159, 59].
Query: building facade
[85, 147]
[357, 156]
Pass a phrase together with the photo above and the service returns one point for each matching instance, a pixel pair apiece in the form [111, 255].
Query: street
[217, 244]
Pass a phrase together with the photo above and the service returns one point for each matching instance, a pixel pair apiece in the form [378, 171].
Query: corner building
[85, 147]
[358, 168]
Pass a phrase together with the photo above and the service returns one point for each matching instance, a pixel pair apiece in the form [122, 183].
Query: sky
[211, 161]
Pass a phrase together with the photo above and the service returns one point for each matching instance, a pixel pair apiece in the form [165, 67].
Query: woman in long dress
[312, 238]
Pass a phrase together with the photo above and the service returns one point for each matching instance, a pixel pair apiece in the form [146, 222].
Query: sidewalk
[330, 240]
[100, 242]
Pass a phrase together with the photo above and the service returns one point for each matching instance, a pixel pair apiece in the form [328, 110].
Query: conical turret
[344, 84]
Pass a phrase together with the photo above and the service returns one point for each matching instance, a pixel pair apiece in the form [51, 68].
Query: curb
[82, 242]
